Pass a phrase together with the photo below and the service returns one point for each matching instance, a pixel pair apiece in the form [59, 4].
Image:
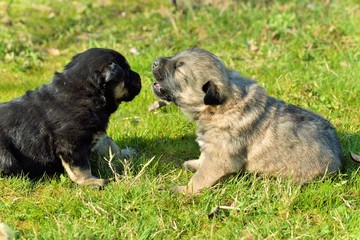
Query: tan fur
[241, 128]
[82, 176]
[120, 91]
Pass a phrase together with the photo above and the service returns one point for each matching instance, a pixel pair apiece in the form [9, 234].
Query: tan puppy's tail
[354, 157]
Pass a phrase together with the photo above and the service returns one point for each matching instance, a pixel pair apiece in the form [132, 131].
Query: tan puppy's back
[240, 127]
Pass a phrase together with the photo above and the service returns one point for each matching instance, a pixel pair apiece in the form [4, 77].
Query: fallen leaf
[134, 51]
[355, 157]
[53, 51]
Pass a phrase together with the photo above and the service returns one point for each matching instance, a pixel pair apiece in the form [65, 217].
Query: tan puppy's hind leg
[192, 165]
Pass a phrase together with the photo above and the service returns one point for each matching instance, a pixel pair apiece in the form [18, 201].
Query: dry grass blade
[142, 171]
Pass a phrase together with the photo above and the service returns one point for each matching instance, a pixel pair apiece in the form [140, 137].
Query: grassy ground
[304, 52]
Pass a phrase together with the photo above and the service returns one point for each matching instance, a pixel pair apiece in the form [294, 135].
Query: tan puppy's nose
[155, 64]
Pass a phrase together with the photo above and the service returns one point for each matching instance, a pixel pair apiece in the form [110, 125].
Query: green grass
[304, 52]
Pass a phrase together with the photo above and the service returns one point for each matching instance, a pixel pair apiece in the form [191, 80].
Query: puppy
[55, 126]
[240, 127]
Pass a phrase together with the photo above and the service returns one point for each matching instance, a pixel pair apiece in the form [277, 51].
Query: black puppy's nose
[156, 63]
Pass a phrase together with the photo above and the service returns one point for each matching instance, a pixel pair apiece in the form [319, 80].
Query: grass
[304, 52]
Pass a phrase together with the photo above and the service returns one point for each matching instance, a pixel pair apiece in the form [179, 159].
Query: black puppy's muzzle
[133, 86]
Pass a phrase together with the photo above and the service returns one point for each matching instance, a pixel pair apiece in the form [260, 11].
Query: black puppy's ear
[112, 71]
[212, 94]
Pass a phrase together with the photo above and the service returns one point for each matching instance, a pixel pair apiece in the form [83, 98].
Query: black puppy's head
[107, 70]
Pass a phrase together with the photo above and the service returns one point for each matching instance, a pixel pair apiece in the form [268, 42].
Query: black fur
[212, 94]
[63, 117]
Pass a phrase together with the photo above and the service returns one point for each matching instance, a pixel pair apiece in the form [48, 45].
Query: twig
[111, 158]
[143, 169]
[216, 210]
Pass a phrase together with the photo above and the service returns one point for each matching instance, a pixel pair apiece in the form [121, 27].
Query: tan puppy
[240, 127]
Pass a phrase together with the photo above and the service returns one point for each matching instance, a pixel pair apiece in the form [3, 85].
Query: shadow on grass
[172, 152]
[169, 153]
[166, 153]
[175, 149]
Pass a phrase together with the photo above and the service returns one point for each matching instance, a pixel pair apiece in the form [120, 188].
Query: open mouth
[156, 86]
[161, 92]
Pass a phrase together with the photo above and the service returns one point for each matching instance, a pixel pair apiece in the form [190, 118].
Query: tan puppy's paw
[186, 190]
[178, 189]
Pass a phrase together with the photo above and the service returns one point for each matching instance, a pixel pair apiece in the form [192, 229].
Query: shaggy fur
[240, 127]
[54, 127]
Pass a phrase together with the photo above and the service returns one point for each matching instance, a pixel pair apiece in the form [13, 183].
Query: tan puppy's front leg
[211, 170]
[82, 176]
[192, 165]
[207, 176]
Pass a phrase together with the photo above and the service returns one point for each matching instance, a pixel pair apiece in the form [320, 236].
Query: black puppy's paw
[96, 183]
[105, 183]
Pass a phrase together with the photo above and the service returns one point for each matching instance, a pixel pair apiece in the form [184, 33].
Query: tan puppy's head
[192, 79]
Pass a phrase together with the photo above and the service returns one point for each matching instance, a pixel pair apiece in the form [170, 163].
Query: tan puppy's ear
[212, 94]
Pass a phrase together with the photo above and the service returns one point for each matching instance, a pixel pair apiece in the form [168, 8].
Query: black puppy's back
[55, 125]
[31, 127]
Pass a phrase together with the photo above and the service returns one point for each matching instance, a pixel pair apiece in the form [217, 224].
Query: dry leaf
[134, 51]
[355, 157]
[53, 51]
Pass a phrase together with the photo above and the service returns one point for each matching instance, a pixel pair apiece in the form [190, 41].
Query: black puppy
[55, 126]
